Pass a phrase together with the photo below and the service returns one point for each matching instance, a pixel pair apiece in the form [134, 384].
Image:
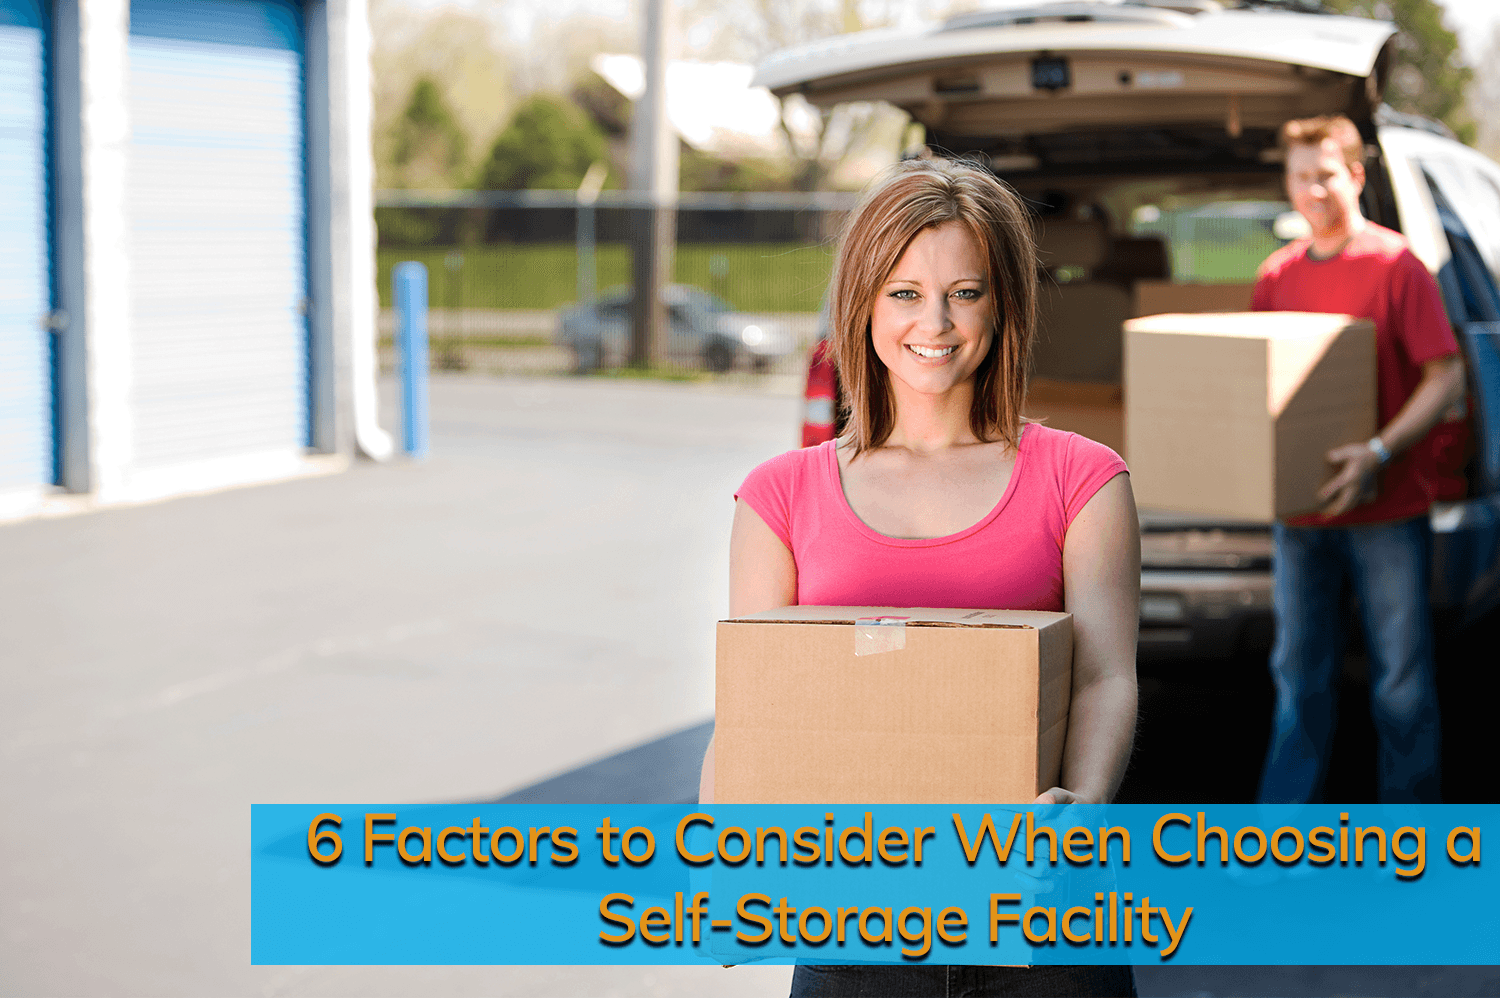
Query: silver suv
[702, 329]
[1145, 135]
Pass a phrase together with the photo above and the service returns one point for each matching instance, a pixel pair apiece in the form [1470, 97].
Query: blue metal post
[409, 280]
[586, 273]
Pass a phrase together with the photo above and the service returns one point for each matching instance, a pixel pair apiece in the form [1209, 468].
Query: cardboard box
[1160, 297]
[947, 707]
[1230, 415]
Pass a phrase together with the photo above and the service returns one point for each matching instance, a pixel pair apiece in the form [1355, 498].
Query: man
[1373, 528]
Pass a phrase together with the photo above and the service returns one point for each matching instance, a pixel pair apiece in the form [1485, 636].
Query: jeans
[1388, 565]
[961, 982]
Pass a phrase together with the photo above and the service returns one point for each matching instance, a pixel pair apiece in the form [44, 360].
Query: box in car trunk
[880, 705]
[1159, 297]
[1091, 410]
[1231, 414]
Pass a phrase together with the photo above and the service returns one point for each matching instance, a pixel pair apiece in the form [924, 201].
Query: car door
[684, 337]
[614, 332]
[1446, 193]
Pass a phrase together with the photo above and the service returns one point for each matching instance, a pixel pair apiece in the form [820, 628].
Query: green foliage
[753, 277]
[548, 145]
[1429, 76]
[605, 106]
[427, 133]
[701, 171]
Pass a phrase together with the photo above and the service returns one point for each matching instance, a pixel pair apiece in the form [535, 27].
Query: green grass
[1223, 262]
[756, 277]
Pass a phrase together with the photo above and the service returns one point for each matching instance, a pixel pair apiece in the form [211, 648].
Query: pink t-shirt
[1010, 560]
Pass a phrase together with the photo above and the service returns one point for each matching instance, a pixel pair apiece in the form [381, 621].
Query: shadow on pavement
[661, 772]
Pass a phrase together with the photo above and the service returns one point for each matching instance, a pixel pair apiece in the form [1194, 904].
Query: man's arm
[1442, 386]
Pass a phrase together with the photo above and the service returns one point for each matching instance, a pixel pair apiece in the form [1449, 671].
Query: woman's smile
[931, 353]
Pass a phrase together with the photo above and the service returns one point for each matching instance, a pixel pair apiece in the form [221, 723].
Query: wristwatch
[1379, 449]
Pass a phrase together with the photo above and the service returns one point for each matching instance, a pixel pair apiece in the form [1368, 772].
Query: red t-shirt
[1376, 277]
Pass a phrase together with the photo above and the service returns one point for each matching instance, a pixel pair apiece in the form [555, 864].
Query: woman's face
[930, 324]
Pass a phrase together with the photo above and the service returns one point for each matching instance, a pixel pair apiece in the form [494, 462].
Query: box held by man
[1231, 415]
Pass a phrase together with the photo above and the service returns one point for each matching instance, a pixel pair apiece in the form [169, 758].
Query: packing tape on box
[874, 635]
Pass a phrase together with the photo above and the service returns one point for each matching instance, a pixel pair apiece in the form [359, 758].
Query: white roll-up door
[25, 252]
[218, 235]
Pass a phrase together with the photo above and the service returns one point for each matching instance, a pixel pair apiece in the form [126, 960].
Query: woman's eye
[966, 294]
[904, 294]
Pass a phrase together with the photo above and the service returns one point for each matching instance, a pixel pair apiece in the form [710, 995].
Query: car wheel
[718, 357]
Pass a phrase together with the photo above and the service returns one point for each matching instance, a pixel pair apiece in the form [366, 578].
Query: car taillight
[818, 409]
[821, 377]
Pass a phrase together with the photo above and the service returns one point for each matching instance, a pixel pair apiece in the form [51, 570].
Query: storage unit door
[218, 245]
[25, 265]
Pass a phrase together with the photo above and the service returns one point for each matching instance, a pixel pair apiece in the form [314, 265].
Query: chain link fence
[535, 282]
[1222, 242]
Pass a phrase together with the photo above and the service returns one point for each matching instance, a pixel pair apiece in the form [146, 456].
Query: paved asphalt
[525, 616]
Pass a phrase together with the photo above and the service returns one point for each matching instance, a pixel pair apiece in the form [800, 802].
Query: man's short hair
[1312, 132]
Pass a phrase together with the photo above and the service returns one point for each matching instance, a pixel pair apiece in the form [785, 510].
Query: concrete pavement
[538, 594]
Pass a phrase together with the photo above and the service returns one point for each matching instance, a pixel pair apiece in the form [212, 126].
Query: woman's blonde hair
[907, 198]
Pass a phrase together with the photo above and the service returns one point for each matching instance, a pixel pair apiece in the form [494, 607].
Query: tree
[428, 143]
[822, 142]
[701, 171]
[605, 106]
[1484, 98]
[558, 50]
[549, 145]
[465, 58]
[1429, 76]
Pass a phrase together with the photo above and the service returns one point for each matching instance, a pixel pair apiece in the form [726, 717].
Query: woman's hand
[1051, 802]
[1058, 796]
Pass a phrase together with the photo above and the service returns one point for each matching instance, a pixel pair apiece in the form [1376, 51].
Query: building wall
[352, 221]
[95, 286]
[104, 131]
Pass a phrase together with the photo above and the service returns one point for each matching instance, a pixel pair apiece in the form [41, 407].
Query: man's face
[1322, 187]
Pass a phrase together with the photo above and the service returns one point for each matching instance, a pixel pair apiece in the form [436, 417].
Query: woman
[941, 495]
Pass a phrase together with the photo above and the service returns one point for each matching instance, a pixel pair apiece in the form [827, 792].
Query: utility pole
[654, 178]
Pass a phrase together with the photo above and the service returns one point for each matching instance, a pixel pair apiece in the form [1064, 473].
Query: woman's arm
[1102, 590]
[762, 576]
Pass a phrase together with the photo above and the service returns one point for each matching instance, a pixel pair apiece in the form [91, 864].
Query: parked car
[702, 329]
[1101, 114]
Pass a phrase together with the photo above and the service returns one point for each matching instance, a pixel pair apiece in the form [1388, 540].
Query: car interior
[1099, 268]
